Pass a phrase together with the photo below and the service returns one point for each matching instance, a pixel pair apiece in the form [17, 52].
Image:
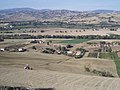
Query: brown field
[75, 32]
[54, 62]
[55, 71]
[81, 32]
[56, 80]
[60, 71]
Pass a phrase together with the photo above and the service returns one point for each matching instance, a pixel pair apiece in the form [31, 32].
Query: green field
[105, 56]
[116, 59]
[74, 41]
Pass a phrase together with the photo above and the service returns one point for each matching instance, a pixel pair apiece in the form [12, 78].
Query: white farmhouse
[2, 49]
[69, 53]
[78, 53]
[41, 42]
[20, 49]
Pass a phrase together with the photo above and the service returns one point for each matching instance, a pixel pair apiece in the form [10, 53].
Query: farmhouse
[41, 42]
[69, 53]
[78, 53]
[21, 49]
[58, 52]
[2, 49]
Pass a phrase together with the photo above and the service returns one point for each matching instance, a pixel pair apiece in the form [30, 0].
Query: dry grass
[54, 62]
[56, 71]
[52, 31]
[56, 80]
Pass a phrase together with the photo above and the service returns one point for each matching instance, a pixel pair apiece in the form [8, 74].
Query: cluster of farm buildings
[51, 48]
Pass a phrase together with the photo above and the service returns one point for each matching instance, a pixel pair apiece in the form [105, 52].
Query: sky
[78, 5]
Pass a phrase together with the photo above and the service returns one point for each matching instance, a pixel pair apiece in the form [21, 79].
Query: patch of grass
[74, 41]
[116, 59]
[105, 56]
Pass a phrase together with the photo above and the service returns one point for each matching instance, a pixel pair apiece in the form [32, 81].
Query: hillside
[23, 14]
[55, 80]
[57, 71]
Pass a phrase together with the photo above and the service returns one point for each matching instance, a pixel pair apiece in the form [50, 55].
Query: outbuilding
[41, 42]
[78, 53]
[2, 49]
[69, 53]
[21, 49]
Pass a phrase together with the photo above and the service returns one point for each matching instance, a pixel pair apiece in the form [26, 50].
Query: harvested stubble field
[56, 80]
[10, 42]
[75, 32]
[64, 31]
[55, 71]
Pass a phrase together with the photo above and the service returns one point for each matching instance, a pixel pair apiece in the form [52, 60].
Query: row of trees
[58, 24]
[27, 36]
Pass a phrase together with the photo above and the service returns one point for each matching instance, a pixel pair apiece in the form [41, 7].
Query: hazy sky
[80, 5]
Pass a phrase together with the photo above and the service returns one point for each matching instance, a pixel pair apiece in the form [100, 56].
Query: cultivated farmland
[54, 70]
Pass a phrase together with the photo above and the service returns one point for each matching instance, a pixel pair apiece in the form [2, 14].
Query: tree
[48, 43]
[42, 31]
[1, 39]
[33, 47]
[63, 49]
[69, 46]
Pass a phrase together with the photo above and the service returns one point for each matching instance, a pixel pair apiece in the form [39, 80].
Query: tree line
[27, 36]
[56, 24]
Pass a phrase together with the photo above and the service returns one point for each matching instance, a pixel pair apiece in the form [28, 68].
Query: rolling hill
[24, 14]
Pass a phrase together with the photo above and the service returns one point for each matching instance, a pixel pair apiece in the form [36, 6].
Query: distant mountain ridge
[17, 14]
[34, 13]
[103, 11]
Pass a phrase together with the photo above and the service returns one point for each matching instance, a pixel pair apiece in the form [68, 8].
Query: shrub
[87, 69]
[69, 46]
[35, 41]
[102, 73]
[33, 47]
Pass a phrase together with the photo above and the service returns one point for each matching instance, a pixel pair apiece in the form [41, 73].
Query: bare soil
[59, 72]
[56, 80]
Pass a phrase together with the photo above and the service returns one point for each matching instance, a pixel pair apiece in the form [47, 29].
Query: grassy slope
[105, 56]
[114, 57]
